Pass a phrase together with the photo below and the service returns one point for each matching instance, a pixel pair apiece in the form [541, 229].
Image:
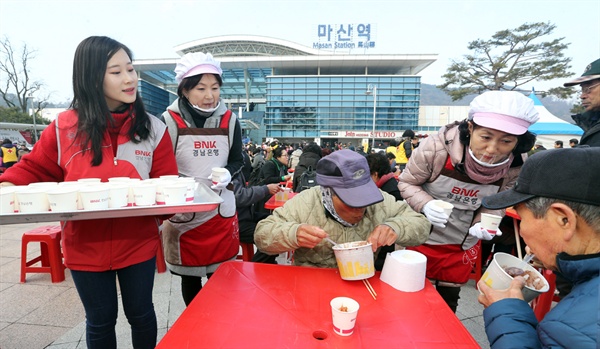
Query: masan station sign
[345, 36]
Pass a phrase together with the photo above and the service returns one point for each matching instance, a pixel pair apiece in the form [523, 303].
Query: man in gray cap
[589, 120]
[559, 208]
[346, 206]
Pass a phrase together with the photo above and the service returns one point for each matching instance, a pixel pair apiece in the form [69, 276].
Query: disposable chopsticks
[370, 288]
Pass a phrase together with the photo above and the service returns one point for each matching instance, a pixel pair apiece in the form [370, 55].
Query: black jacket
[246, 199]
[590, 123]
[272, 171]
[391, 187]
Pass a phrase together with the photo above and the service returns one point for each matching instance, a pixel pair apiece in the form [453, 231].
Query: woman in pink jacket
[106, 133]
[461, 164]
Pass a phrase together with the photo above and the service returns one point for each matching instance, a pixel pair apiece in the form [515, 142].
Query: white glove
[482, 234]
[224, 180]
[435, 214]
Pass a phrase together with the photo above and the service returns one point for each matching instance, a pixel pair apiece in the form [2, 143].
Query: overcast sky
[152, 28]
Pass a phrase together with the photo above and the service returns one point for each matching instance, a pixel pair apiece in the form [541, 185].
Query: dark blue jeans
[98, 293]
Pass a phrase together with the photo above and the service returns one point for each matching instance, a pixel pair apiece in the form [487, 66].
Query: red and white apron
[202, 238]
[451, 252]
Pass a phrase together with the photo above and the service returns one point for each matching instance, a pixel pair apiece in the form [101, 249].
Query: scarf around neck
[327, 198]
[484, 173]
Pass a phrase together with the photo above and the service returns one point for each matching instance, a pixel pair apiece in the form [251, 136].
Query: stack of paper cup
[404, 270]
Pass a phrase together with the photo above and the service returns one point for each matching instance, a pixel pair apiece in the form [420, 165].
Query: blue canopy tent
[550, 128]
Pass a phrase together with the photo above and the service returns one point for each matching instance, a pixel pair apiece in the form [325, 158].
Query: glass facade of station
[156, 100]
[310, 106]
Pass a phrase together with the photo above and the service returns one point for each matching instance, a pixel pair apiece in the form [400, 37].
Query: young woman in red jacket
[105, 133]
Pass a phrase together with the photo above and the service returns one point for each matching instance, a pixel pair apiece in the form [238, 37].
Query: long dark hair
[525, 141]
[94, 117]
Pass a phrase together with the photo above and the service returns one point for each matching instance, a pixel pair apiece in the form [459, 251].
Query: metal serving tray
[204, 200]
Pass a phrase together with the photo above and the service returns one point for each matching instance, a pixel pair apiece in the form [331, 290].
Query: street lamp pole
[372, 89]
[33, 114]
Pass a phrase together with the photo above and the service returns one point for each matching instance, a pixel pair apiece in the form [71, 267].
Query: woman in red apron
[461, 164]
[205, 135]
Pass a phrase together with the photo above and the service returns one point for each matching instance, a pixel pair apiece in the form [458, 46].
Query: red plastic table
[255, 305]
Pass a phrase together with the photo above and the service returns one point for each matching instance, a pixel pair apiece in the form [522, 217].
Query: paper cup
[160, 196]
[497, 278]
[94, 197]
[144, 193]
[118, 194]
[63, 198]
[119, 179]
[8, 198]
[69, 183]
[355, 260]
[32, 200]
[404, 270]
[490, 222]
[344, 311]
[169, 177]
[89, 180]
[128, 181]
[43, 184]
[191, 187]
[174, 193]
[217, 172]
[75, 185]
[446, 206]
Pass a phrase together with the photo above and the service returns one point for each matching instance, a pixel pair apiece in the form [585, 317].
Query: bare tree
[16, 84]
[511, 58]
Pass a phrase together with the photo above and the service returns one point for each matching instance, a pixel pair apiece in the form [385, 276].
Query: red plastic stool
[51, 255]
[247, 251]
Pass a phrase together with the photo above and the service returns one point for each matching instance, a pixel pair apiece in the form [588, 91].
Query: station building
[296, 93]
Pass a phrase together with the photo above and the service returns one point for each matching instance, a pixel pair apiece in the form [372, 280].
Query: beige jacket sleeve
[277, 233]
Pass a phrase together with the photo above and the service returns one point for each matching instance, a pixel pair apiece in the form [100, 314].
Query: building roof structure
[247, 60]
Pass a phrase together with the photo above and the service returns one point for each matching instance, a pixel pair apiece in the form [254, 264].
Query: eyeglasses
[588, 89]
